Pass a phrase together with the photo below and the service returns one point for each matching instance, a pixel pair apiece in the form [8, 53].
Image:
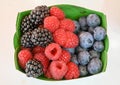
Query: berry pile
[57, 47]
[91, 36]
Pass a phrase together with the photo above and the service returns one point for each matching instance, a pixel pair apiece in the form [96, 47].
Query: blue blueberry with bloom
[83, 23]
[77, 27]
[86, 40]
[94, 66]
[93, 20]
[83, 70]
[94, 54]
[99, 33]
[74, 59]
[83, 57]
[98, 46]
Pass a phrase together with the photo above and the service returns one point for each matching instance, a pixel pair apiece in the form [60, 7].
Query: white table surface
[8, 13]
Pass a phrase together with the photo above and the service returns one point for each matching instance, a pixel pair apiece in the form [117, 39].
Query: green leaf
[72, 12]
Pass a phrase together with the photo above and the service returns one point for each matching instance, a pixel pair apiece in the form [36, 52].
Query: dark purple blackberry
[26, 25]
[26, 40]
[38, 14]
[33, 68]
[41, 37]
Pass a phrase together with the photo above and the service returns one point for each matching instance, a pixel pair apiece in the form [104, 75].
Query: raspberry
[67, 24]
[23, 57]
[73, 71]
[43, 59]
[38, 49]
[66, 39]
[55, 11]
[51, 23]
[58, 69]
[72, 40]
[59, 37]
[65, 56]
[53, 51]
[48, 74]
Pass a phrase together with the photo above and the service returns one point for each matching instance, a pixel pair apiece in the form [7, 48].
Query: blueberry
[78, 49]
[74, 59]
[83, 70]
[94, 66]
[77, 27]
[94, 54]
[86, 40]
[99, 33]
[91, 30]
[83, 23]
[98, 46]
[93, 20]
[83, 57]
[71, 50]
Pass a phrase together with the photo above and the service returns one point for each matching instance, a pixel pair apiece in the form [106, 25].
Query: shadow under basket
[72, 12]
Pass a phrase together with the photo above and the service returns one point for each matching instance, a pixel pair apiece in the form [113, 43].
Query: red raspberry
[53, 51]
[48, 74]
[51, 23]
[67, 24]
[55, 11]
[43, 59]
[58, 69]
[23, 57]
[38, 49]
[65, 56]
[73, 71]
[59, 37]
[72, 40]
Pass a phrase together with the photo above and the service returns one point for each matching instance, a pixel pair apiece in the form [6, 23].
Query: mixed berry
[58, 47]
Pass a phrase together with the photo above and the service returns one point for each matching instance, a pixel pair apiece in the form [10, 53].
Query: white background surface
[8, 13]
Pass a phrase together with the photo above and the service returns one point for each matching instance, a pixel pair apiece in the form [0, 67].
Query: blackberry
[38, 14]
[26, 25]
[26, 40]
[41, 37]
[33, 68]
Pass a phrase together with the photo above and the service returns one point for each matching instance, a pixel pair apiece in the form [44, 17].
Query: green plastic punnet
[72, 12]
